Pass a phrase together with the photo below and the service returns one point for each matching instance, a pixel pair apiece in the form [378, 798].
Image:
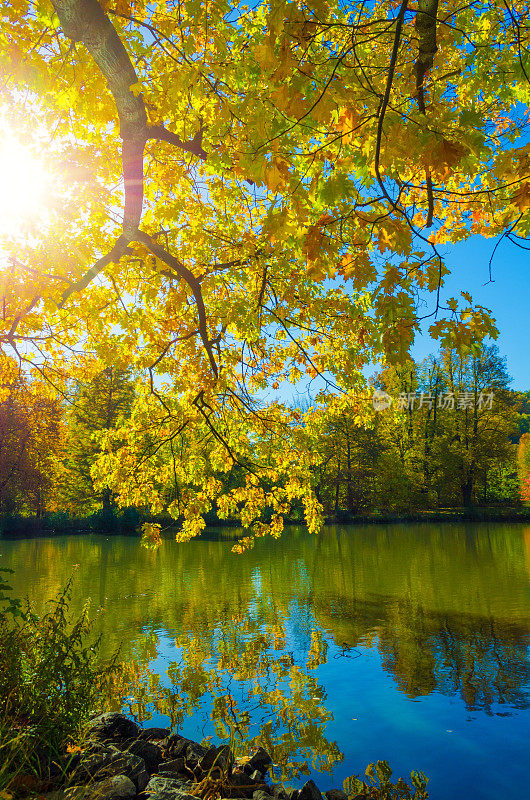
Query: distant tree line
[447, 437]
[445, 432]
[50, 440]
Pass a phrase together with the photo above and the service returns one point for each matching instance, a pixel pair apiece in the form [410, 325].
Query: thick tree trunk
[349, 477]
[106, 499]
[467, 491]
[337, 485]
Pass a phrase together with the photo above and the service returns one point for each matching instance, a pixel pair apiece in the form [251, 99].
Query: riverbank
[470, 514]
[126, 522]
[118, 760]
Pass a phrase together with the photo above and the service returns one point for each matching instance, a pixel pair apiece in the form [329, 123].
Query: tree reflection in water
[258, 694]
[485, 661]
[259, 636]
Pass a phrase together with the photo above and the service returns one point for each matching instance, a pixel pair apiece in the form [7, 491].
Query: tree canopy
[249, 194]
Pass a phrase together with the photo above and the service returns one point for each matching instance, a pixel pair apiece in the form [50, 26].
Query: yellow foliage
[223, 192]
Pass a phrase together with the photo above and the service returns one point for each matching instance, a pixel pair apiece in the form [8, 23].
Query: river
[403, 642]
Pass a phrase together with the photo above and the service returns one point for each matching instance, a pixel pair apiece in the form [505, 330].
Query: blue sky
[508, 297]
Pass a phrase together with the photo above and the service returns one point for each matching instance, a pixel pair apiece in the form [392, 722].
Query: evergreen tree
[98, 407]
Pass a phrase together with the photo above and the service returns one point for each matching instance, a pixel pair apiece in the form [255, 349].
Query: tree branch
[85, 21]
[386, 98]
[194, 146]
[183, 272]
[19, 316]
[113, 256]
[426, 29]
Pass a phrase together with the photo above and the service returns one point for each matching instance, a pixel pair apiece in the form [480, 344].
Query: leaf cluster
[252, 196]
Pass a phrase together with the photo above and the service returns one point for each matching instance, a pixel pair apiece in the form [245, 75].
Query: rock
[181, 747]
[142, 780]
[163, 787]
[120, 786]
[336, 794]
[309, 791]
[172, 767]
[194, 753]
[117, 788]
[261, 761]
[93, 758]
[242, 785]
[176, 745]
[154, 734]
[151, 754]
[78, 793]
[112, 725]
[279, 791]
[259, 794]
[100, 762]
[173, 741]
[217, 758]
[58, 794]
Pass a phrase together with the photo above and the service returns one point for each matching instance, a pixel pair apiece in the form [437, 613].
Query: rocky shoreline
[121, 761]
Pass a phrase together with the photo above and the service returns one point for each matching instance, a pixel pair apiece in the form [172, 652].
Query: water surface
[403, 642]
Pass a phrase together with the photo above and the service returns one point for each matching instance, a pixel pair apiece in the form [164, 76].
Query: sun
[24, 185]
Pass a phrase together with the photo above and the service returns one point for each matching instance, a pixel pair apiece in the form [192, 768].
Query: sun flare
[23, 185]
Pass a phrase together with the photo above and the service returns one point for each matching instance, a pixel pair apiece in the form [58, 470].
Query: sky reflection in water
[409, 643]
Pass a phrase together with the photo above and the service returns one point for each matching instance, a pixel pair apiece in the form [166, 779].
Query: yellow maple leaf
[445, 156]
[265, 55]
[275, 175]
[281, 97]
[320, 7]
[136, 88]
[286, 63]
[346, 268]
[273, 178]
[297, 105]
[522, 197]
[123, 7]
[346, 123]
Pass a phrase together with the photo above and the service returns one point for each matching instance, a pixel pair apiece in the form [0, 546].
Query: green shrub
[50, 681]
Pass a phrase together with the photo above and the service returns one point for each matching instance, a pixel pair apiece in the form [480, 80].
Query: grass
[50, 681]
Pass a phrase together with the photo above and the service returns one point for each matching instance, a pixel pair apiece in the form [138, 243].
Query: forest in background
[443, 433]
[225, 200]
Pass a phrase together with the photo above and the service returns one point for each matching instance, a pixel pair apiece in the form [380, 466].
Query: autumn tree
[523, 465]
[287, 174]
[95, 408]
[478, 428]
[346, 474]
[523, 420]
[30, 423]
[443, 436]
